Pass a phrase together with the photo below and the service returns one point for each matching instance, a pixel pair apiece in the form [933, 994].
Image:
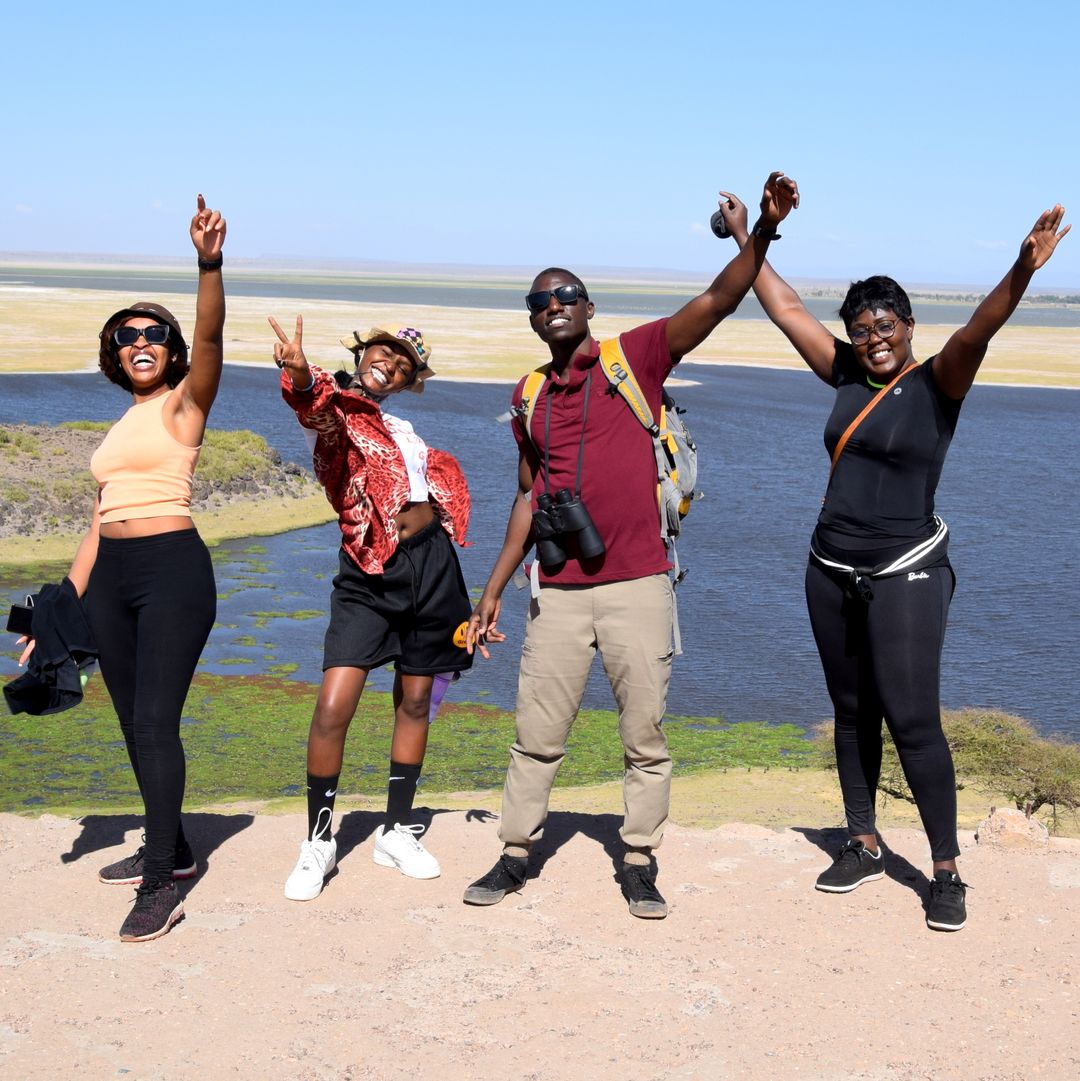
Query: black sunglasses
[564, 294]
[155, 334]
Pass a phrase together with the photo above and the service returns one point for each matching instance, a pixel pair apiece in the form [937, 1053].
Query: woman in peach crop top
[143, 569]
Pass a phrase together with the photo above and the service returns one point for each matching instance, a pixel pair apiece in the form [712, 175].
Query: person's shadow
[897, 867]
[206, 832]
[561, 827]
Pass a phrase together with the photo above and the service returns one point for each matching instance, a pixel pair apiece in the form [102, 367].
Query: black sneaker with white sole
[947, 910]
[157, 907]
[507, 876]
[129, 870]
[854, 865]
[639, 889]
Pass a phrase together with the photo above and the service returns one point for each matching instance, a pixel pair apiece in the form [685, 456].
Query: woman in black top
[878, 582]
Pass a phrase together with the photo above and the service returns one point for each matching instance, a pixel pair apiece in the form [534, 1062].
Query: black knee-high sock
[320, 806]
[400, 793]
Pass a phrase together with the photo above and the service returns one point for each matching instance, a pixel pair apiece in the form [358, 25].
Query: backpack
[673, 446]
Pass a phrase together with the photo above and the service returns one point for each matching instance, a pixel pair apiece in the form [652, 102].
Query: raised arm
[812, 340]
[483, 623]
[199, 388]
[694, 322]
[956, 366]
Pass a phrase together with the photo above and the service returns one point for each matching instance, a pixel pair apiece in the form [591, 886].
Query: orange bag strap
[842, 442]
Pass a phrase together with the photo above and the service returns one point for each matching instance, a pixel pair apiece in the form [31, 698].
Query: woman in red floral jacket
[399, 595]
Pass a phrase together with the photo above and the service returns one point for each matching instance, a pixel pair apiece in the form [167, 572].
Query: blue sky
[925, 137]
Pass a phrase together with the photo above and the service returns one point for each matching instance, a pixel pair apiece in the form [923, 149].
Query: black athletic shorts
[408, 614]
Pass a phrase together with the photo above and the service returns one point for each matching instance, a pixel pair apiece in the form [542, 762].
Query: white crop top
[414, 451]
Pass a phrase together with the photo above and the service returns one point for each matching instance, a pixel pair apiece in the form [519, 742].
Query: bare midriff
[145, 527]
[412, 518]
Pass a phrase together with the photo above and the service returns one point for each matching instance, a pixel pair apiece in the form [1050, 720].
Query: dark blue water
[469, 294]
[1009, 493]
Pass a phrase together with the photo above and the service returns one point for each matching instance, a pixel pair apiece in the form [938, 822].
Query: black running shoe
[157, 907]
[947, 910]
[129, 870]
[507, 876]
[639, 889]
[855, 864]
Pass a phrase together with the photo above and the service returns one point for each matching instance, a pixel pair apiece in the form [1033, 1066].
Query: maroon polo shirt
[618, 478]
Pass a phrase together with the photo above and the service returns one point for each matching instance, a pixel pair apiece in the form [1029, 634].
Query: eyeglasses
[155, 334]
[564, 294]
[883, 328]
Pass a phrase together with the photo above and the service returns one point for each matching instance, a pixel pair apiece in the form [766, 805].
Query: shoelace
[953, 885]
[648, 884]
[411, 833]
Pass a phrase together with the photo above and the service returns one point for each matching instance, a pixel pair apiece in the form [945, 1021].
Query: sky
[926, 138]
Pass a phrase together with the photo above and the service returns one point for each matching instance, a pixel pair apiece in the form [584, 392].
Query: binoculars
[562, 527]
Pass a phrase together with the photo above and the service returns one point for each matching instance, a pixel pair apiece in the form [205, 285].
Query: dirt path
[753, 975]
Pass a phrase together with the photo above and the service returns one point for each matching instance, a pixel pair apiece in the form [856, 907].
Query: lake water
[1009, 493]
[465, 294]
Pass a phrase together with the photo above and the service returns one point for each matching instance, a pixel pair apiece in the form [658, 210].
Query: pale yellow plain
[55, 330]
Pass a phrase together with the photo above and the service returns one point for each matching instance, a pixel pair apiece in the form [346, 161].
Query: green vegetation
[230, 456]
[246, 738]
[13, 444]
[994, 753]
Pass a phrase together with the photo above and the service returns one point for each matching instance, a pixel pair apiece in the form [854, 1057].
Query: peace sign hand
[1040, 243]
[289, 355]
[207, 231]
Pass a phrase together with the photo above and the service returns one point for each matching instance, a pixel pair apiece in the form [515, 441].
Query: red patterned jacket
[363, 472]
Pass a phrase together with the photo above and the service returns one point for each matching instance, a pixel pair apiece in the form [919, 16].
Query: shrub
[994, 752]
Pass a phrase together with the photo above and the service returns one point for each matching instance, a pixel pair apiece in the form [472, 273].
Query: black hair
[109, 353]
[563, 273]
[871, 294]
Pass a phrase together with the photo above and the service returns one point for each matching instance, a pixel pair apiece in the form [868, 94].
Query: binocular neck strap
[547, 436]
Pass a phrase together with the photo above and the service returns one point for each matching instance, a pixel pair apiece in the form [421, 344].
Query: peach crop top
[143, 472]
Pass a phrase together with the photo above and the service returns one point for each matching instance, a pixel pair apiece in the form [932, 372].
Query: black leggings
[152, 602]
[882, 659]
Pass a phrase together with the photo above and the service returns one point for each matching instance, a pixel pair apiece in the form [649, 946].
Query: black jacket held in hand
[64, 647]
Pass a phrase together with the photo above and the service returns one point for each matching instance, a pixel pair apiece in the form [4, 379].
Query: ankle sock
[321, 792]
[400, 793]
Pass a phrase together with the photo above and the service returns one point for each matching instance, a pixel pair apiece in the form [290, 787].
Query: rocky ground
[46, 487]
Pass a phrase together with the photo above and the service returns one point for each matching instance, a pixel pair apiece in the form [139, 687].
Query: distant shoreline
[290, 268]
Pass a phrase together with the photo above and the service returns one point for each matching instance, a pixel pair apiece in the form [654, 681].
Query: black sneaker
[639, 889]
[128, 871]
[947, 910]
[507, 876]
[855, 864]
[157, 907]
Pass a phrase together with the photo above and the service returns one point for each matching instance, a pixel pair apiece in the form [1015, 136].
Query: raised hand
[1040, 243]
[734, 211]
[780, 197]
[207, 231]
[289, 354]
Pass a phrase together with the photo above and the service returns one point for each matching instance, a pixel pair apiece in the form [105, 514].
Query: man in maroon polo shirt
[585, 440]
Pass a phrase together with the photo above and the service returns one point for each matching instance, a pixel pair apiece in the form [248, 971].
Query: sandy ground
[753, 975]
[56, 330]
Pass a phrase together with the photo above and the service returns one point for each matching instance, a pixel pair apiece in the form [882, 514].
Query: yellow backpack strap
[620, 375]
[530, 395]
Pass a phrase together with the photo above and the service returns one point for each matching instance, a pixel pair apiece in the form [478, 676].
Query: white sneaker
[402, 849]
[317, 860]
